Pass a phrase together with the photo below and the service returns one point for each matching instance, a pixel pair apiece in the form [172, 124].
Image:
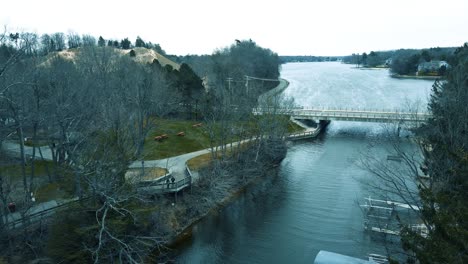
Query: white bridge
[380, 116]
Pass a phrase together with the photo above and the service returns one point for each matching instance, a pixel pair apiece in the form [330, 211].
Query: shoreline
[283, 84]
[416, 77]
[182, 234]
[186, 231]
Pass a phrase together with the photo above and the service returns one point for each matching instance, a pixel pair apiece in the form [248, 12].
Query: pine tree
[125, 43]
[101, 42]
[445, 199]
[139, 42]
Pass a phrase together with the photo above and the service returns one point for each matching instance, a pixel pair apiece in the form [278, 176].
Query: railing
[302, 135]
[372, 115]
[31, 218]
[168, 186]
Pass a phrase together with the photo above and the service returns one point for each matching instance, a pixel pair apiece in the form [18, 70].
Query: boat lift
[379, 217]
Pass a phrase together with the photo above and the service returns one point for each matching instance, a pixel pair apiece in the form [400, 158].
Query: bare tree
[74, 40]
[58, 39]
[89, 41]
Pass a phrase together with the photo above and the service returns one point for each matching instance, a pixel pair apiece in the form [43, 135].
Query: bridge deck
[350, 115]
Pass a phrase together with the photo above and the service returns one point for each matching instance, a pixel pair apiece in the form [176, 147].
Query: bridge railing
[347, 113]
[170, 186]
[362, 114]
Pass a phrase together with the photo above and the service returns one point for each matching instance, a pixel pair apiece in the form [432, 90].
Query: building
[432, 67]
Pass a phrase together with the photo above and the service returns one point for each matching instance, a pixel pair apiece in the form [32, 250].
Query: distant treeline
[47, 43]
[402, 61]
[286, 59]
[241, 59]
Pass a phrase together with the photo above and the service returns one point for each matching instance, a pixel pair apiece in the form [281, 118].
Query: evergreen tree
[445, 197]
[125, 43]
[139, 42]
[101, 42]
[364, 59]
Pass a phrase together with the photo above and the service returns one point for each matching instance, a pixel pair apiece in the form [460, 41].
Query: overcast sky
[288, 27]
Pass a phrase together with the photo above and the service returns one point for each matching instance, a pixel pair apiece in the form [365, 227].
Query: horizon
[294, 28]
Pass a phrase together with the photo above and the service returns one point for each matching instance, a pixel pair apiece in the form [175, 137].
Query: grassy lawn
[55, 190]
[44, 191]
[199, 162]
[294, 128]
[14, 171]
[195, 139]
[37, 143]
[205, 160]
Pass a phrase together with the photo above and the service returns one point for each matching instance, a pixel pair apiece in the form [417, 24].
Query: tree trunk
[46, 166]
[31, 176]
[23, 162]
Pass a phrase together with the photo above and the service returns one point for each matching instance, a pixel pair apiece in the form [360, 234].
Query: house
[388, 62]
[432, 67]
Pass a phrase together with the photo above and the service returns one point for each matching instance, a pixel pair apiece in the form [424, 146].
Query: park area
[195, 137]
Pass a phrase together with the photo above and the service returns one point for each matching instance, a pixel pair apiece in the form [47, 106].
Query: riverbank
[263, 98]
[416, 77]
[207, 194]
[211, 193]
[372, 68]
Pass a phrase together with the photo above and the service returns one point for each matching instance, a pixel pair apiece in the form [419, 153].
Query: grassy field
[37, 143]
[44, 191]
[15, 174]
[199, 162]
[195, 138]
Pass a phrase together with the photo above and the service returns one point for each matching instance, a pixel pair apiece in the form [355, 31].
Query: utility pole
[247, 84]
[229, 80]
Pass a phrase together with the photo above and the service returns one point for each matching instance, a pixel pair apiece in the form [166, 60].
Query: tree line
[59, 41]
[444, 197]
[402, 61]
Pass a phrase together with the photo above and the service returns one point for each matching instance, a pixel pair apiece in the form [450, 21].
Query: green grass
[37, 143]
[44, 191]
[51, 191]
[195, 139]
[294, 128]
[205, 160]
[14, 171]
[199, 162]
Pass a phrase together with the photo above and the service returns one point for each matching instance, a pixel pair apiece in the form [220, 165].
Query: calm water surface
[311, 205]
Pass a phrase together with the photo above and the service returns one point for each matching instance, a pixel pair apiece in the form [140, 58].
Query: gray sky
[288, 27]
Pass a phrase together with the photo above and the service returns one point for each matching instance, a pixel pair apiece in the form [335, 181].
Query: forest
[80, 110]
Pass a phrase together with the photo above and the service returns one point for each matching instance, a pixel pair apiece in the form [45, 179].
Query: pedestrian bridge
[379, 116]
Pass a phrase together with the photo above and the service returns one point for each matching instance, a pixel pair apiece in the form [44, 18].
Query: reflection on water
[311, 204]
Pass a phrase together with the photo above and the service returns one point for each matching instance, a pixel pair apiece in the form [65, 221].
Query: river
[312, 204]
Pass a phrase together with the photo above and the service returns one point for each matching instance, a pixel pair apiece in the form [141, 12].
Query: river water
[312, 204]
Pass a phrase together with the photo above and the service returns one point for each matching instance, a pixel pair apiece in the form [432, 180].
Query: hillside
[143, 55]
[148, 55]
